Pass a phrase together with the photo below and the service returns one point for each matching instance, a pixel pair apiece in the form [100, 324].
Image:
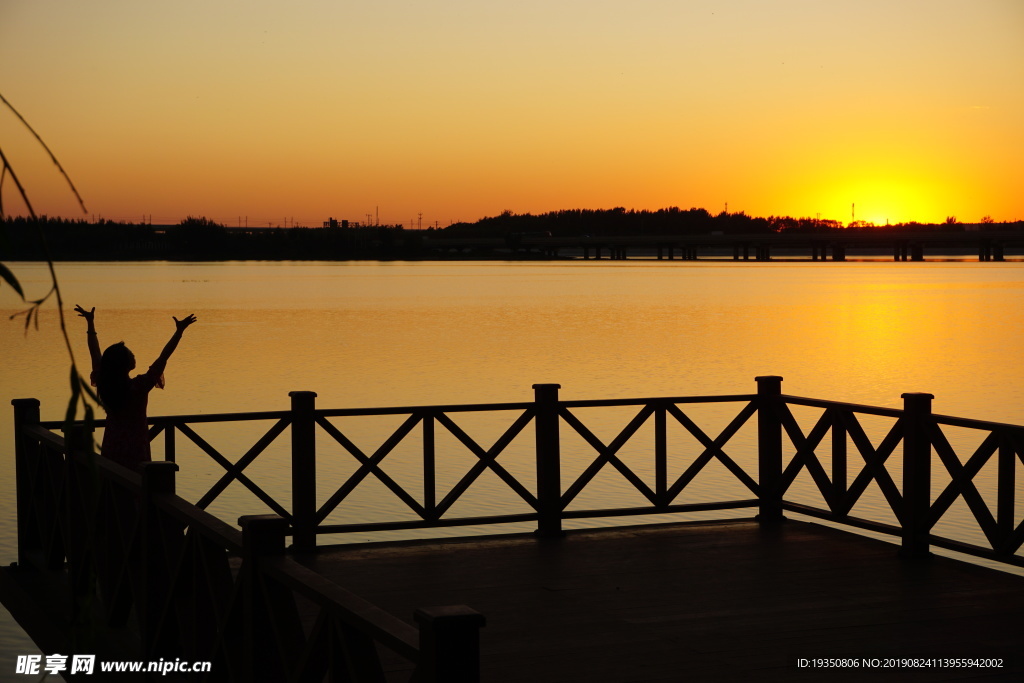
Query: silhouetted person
[126, 437]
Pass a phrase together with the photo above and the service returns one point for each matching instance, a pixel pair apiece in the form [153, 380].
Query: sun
[882, 200]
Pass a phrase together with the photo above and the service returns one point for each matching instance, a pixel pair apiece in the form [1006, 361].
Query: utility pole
[419, 223]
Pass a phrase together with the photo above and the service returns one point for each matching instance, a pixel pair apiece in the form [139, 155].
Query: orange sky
[460, 109]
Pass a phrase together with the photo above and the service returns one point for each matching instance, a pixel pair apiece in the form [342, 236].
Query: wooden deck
[725, 601]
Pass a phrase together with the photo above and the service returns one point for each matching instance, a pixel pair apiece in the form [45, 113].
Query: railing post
[549, 478]
[262, 536]
[303, 470]
[79, 509]
[26, 413]
[917, 476]
[449, 644]
[769, 448]
[157, 480]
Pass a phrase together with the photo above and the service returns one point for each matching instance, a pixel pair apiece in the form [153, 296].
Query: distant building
[333, 223]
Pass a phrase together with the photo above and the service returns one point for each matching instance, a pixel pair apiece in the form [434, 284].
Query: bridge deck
[698, 602]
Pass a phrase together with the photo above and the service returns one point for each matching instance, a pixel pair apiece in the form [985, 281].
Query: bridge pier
[917, 252]
[997, 252]
[838, 252]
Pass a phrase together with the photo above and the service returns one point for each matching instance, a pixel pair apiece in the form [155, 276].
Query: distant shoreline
[201, 240]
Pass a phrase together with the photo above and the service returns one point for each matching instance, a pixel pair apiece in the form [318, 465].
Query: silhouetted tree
[198, 237]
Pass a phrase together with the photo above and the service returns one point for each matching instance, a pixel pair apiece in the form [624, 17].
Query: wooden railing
[172, 533]
[191, 586]
[783, 451]
[918, 505]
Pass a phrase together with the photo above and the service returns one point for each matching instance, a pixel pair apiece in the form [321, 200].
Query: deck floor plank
[697, 602]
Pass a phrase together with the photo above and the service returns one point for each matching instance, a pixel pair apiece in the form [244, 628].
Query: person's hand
[88, 315]
[184, 322]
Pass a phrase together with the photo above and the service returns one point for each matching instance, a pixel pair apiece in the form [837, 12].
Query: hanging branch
[80, 388]
[53, 158]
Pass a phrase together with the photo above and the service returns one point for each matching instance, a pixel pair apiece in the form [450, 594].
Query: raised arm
[172, 344]
[90, 335]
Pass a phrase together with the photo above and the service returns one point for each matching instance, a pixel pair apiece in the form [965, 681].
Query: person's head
[116, 363]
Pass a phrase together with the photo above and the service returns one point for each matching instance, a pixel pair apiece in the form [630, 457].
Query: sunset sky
[457, 109]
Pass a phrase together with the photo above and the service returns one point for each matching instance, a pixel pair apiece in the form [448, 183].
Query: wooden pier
[115, 562]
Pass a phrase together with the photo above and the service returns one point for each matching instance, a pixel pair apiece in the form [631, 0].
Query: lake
[365, 334]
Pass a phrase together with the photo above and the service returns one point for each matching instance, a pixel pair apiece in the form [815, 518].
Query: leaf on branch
[3, 176]
[17, 183]
[76, 391]
[9, 278]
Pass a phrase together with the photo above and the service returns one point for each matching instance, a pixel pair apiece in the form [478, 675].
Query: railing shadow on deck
[197, 587]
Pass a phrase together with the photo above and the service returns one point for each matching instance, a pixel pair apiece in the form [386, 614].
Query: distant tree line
[677, 221]
[199, 238]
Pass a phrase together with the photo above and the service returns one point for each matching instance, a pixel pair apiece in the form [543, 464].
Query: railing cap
[19, 402]
[158, 476]
[545, 386]
[917, 402]
[267, 521]
[302, 394]
[769, 385]
[449, 614]
[263, 534]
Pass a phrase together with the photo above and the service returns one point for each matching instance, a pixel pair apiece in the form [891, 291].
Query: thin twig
[10, 169]
[52, 156]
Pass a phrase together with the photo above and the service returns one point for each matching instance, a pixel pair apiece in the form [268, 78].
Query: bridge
[990, 245]
[761, 587]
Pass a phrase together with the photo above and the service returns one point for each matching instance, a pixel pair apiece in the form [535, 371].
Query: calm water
[372, 334]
